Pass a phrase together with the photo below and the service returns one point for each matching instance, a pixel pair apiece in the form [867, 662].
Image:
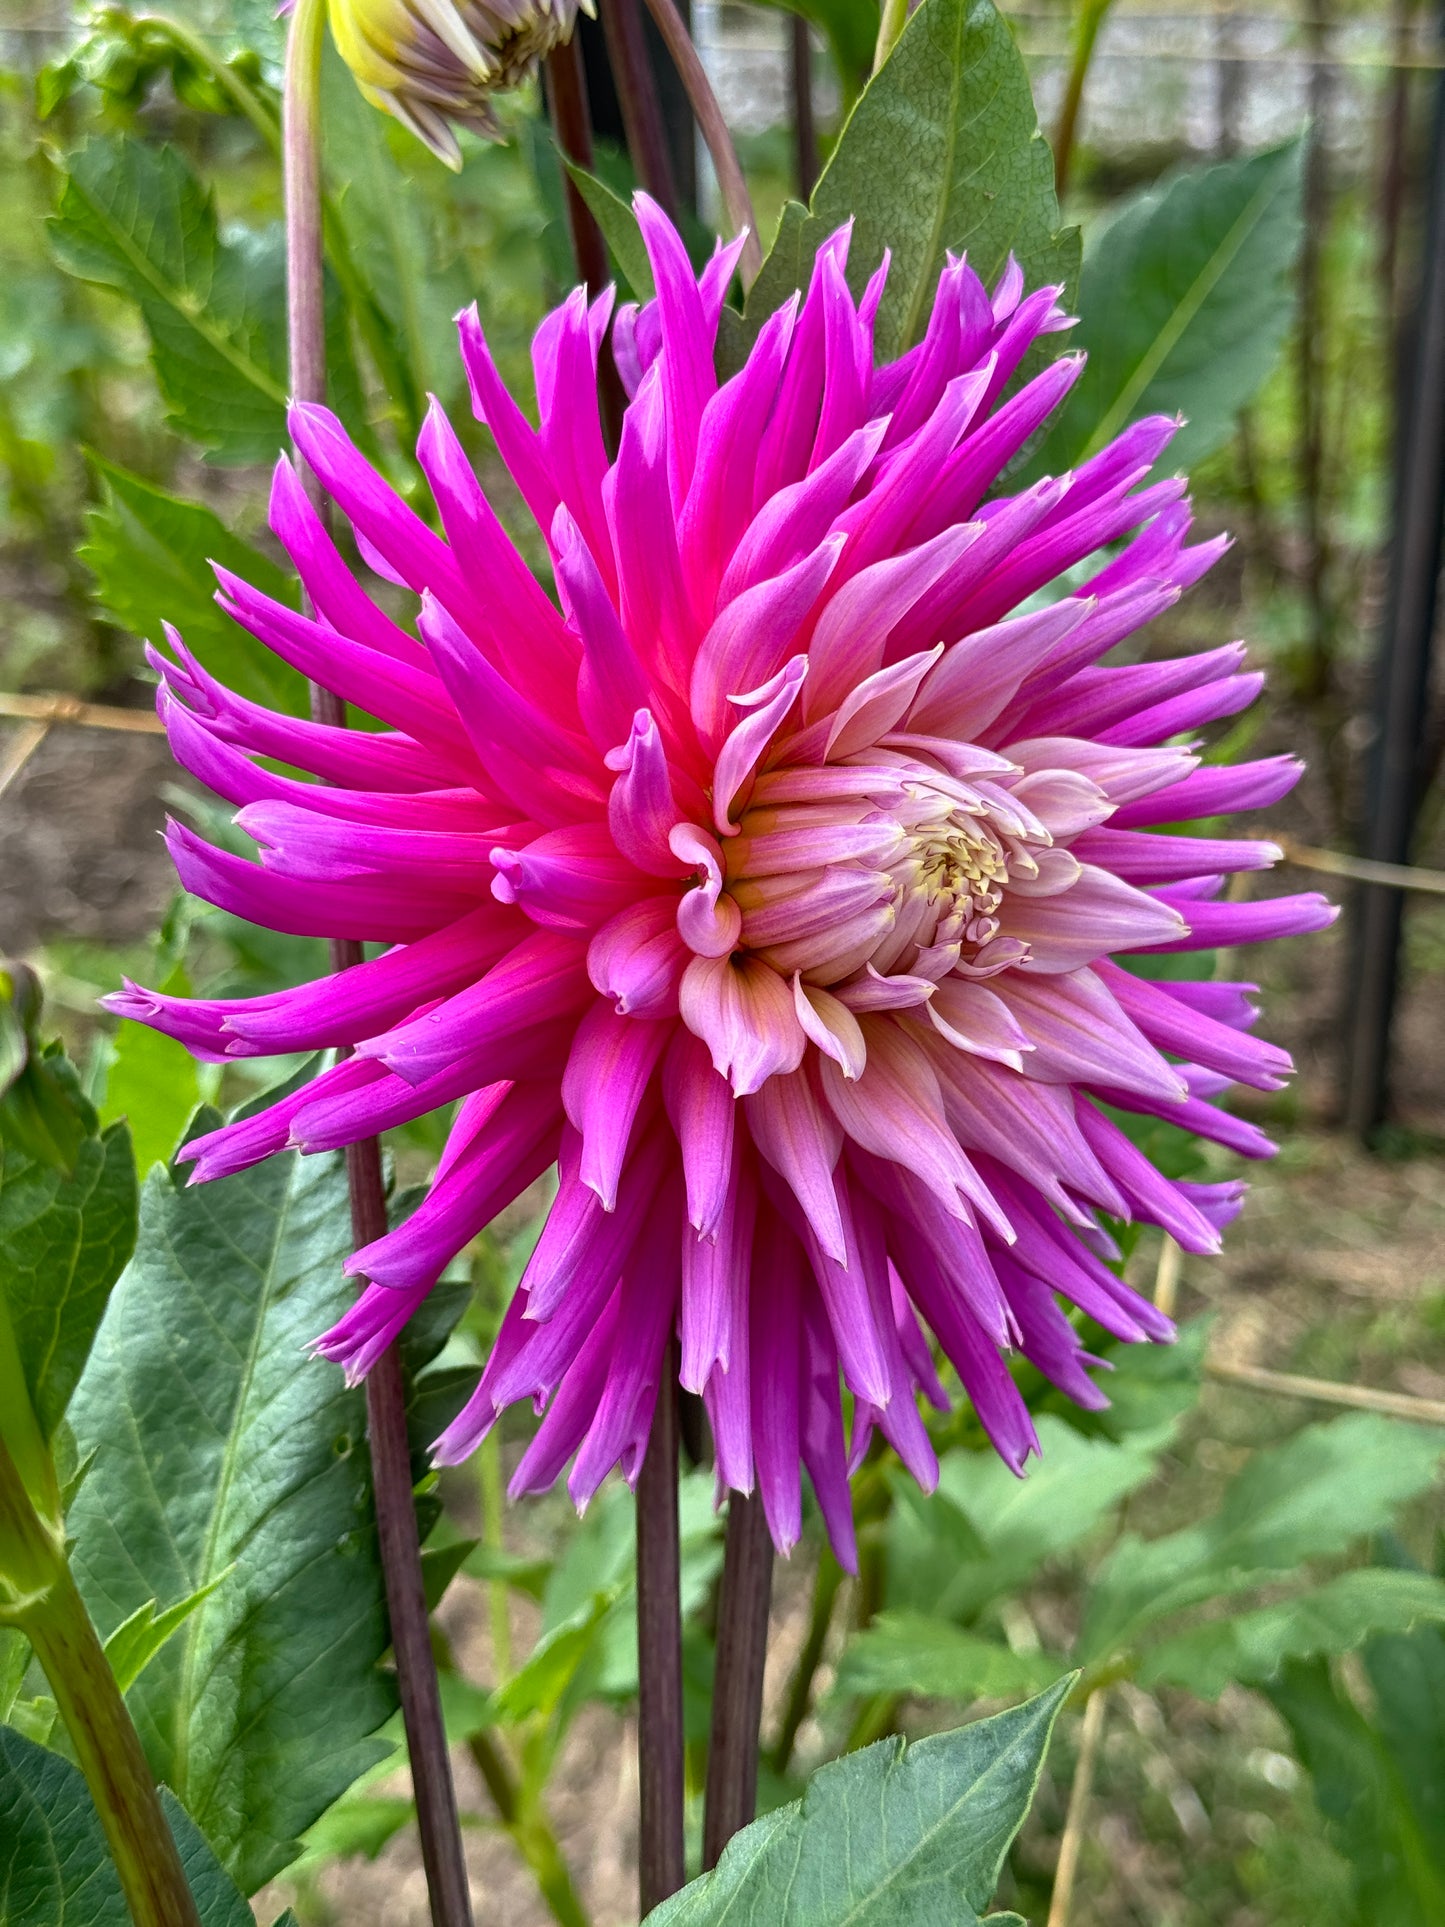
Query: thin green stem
[530, 1828]
[489, 1469]
[43, 1602]
[1092, 14]
[826, 1581]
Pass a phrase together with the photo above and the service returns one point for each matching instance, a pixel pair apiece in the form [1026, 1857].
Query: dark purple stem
[714, 130]
[661, 1867]
[805, 126]
[742, 1650]
[638, 98]
[567, 107]
[436, 1804]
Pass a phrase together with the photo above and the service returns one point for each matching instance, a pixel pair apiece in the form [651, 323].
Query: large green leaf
[55, 1870]
[1017, 1523]
[893, 1836]
[1310, 1498]
[908, 1654]
[63, 1243]
[151, 555]
[1184, 302]
[943, 151]
[1250, 1647]
[219, 1443]
[137, 218]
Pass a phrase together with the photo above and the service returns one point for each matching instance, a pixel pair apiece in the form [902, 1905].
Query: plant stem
[714, 130]
[489, 1461]
[53, 1618]
[805, 126]
[1092, 14]
[742, 1651]
[1070, 1847]
[566, 88]
[436, 1805]
[826, 1581]
[638, 99]
[661, 1866]
[531, 1832]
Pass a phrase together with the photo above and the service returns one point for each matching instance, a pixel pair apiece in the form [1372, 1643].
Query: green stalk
[530, 1828]
[489, 1467]
[42, 1601]
[1092, 14]
[826, 1581]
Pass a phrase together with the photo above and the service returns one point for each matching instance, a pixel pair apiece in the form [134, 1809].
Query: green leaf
[1184, 303]
[851, 30]
[910, 1654]
[219, 1901]
[136, 218]
[619, 229]
[63, 1243]
[892, 1836]
[1251, 1647]
[538, 1686]
[55, 1870]
[441, 1564]
[1310, 1498]
[391, 229]
[1365, 1795]
[943, 151]
[137, 1640]
[151, 555]
[1018, 1523]
[219, 1442]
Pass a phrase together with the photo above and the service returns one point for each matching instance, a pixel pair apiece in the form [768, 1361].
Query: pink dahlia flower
[770, 885]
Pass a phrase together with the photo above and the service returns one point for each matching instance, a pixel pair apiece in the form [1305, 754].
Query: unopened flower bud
[435, 64]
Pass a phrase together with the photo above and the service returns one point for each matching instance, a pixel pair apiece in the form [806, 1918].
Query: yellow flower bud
[435, 64]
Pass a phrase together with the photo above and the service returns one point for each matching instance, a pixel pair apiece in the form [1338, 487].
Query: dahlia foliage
[770, 886]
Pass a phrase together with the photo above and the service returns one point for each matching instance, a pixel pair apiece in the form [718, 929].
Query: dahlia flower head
[435, 64]
[769, 881]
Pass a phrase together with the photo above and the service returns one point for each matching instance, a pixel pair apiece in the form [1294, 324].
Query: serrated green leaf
[150, 554]
[137, 218]
[892, 1836]
[137, 1640]
[63, 1243]
[943, 151]
[1250, 1647]
[55, 1870]
[1184, 302]
[1018, 1523]
[1310, 1498]
[218, 1442]
[619, 229]
[909, 1654]
[219, 1901]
